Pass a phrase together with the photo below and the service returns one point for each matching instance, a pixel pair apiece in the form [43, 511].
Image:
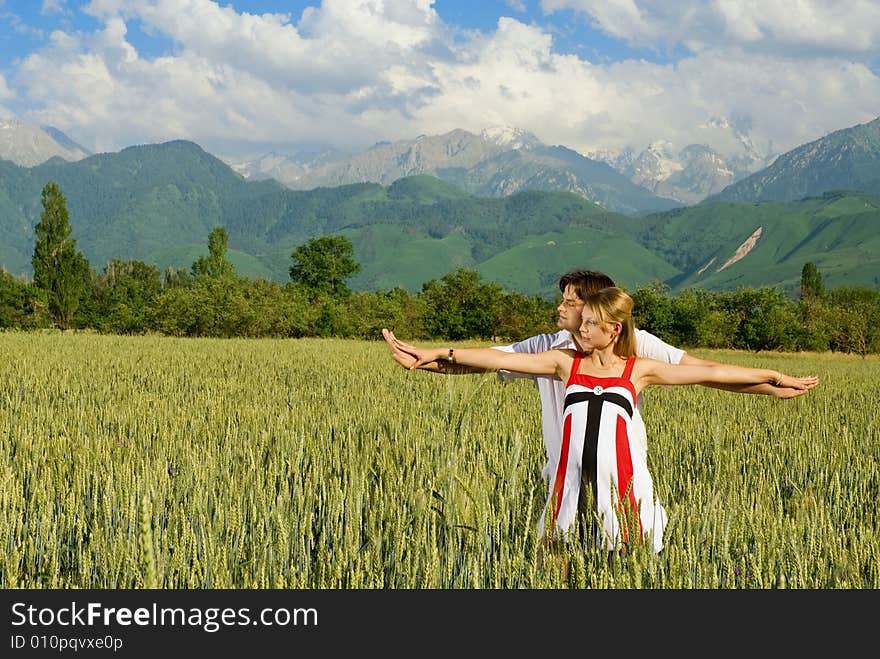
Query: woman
[602, 384]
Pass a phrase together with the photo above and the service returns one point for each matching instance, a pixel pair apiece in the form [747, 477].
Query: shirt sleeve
[648, 345]
[533, 344]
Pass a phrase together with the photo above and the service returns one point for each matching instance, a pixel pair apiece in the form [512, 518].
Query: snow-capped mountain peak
[29, 145]
[510, 137]
[658, 162]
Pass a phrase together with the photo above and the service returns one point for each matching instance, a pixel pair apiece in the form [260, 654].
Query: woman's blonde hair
[613, 305]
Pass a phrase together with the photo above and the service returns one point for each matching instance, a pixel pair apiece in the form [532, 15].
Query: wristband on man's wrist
[451, 357]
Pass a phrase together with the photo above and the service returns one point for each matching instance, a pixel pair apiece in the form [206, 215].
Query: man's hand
[783, 392]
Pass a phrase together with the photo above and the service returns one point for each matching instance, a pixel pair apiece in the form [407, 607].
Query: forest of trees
[211, 299]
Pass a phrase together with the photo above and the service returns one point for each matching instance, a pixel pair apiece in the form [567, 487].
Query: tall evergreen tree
[817, 319]
[59, 269]
[215, 264]
[812, 287]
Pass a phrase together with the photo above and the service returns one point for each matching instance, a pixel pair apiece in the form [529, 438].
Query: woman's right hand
[422, 356]
[402, 357]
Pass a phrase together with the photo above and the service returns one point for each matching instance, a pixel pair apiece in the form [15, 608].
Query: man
[575, 286]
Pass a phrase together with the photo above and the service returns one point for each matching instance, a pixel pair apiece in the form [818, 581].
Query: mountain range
[502, 160]
[29, 145]
[158, 203]
[844, 159]
[498, 161]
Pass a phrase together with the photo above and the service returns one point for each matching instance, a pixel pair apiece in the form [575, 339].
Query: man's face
[570, 310]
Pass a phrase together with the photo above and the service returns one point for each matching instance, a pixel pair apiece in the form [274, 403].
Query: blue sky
[245, 76]
[26, 25]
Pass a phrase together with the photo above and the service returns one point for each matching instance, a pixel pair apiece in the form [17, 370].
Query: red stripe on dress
[625, 483]
[628, 369]
[562, 467]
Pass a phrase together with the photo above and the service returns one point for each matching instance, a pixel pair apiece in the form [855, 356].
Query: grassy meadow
[132, 462]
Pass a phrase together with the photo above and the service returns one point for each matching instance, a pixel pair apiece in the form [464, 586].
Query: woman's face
[593, 332]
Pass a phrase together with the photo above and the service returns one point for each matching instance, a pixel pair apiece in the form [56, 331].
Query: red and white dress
[599, 449]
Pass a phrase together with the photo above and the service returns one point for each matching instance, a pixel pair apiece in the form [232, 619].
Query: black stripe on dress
[590, 456]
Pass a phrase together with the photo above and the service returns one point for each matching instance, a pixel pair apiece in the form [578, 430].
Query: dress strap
[576, 364]
[628, 369]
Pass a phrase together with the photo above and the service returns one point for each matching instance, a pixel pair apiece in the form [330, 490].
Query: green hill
[837, 231]
[535, 264]
[158, 203]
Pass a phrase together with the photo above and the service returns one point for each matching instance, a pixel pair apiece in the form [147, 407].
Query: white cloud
[790, 27]
[5, 93]
[53, 7]
[515, 78]
[254, 77]
[353, 72]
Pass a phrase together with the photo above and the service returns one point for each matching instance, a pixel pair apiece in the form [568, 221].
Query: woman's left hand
[797, 385]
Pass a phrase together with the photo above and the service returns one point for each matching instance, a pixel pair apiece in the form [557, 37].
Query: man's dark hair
[585, 282]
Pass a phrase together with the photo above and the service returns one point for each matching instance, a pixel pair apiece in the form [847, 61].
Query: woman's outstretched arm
[765, 388]
[653, 372]
[401, 352]
[551, 362]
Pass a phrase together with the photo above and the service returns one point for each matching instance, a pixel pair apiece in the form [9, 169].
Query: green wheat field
[154, 462]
